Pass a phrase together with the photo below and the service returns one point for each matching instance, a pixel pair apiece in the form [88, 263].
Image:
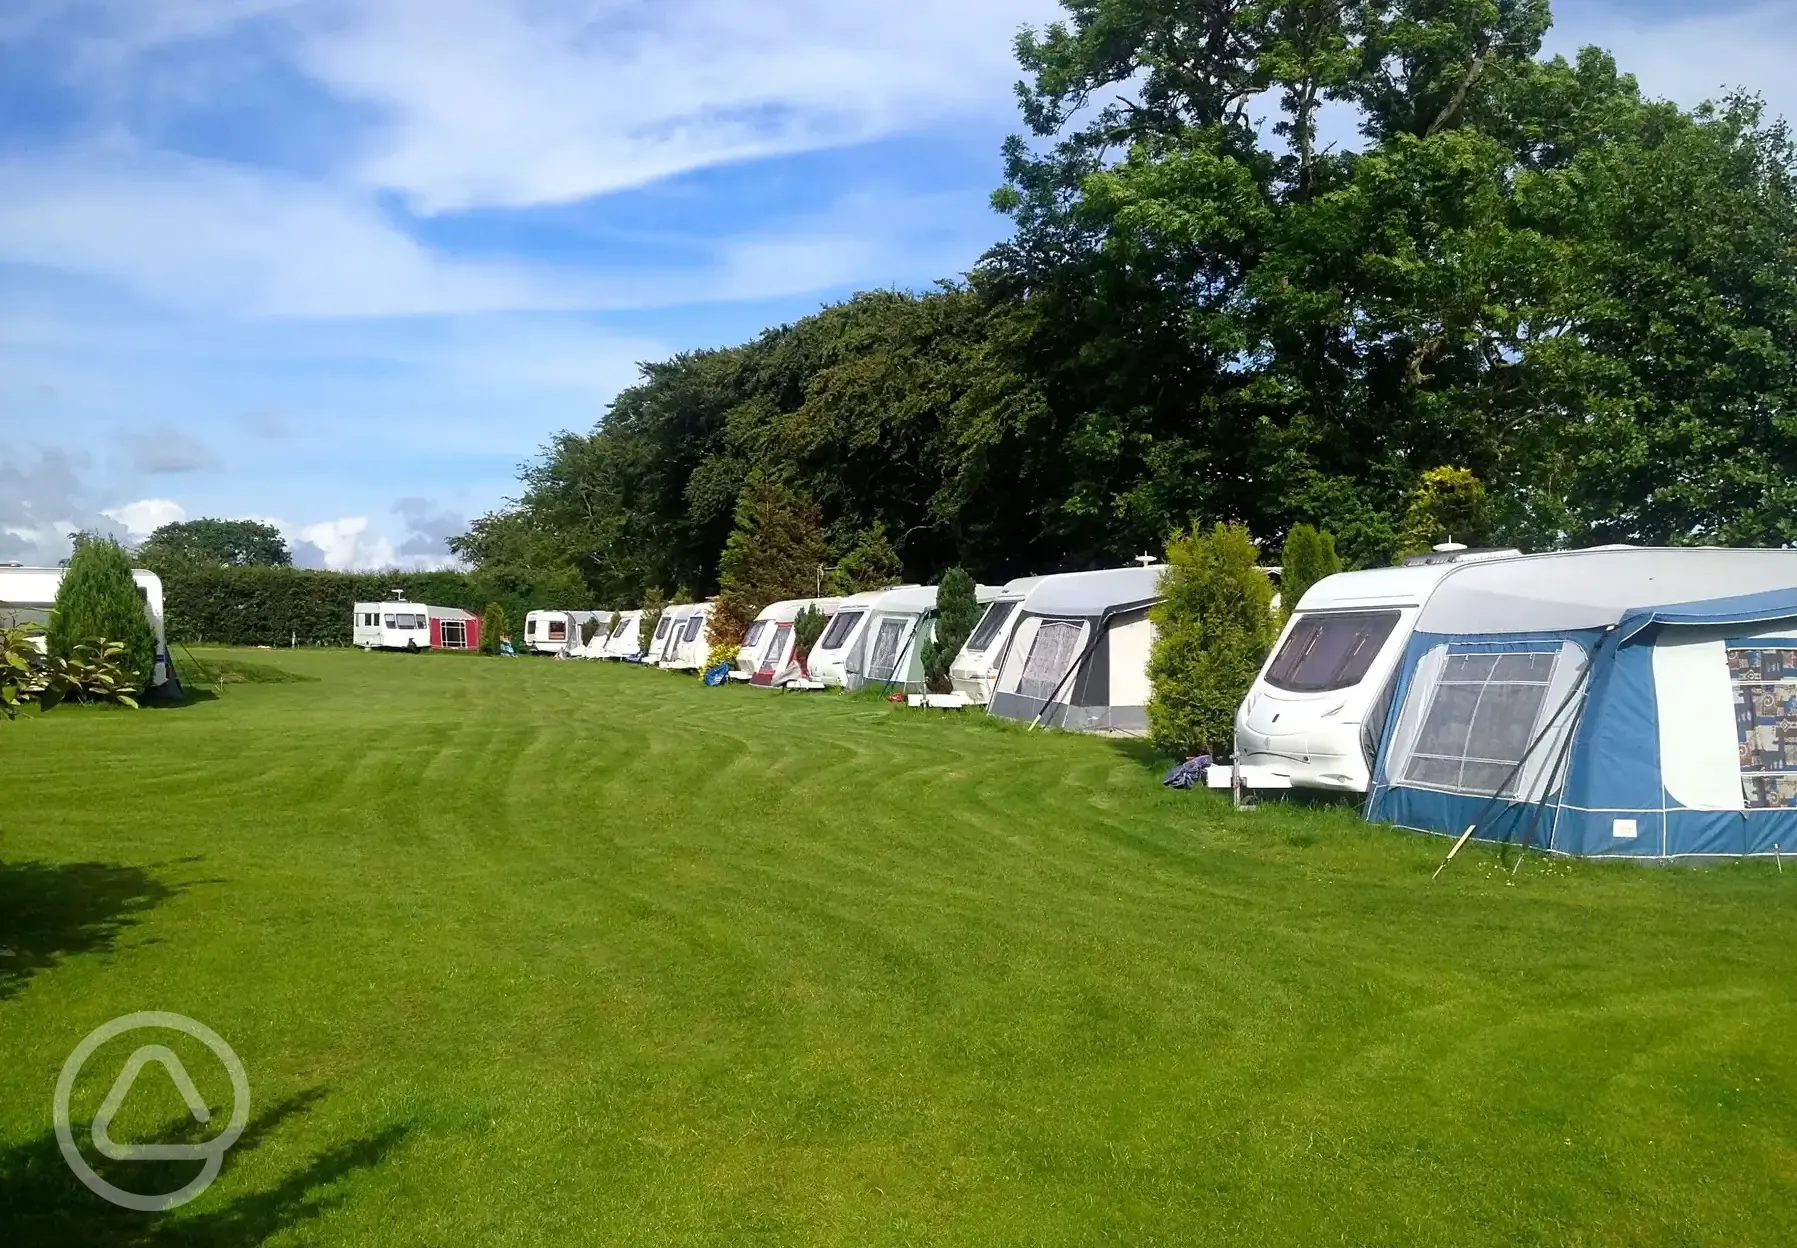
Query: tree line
[1519, 273]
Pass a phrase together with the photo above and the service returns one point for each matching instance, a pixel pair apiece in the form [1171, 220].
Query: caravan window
[995, 618]
[1764, 677]
[405, 622]
[1328, 652]
[754, 636]
[694, 627]
[1051, 654]
[1480, 723]
[558, 630]
[840, 627]
[886, 648]
[776, 650]
[661, 627]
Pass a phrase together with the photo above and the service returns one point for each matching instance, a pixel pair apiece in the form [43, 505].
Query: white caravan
[28, 595]
[1314, 717]
[767, 650]
[899, 622]
[691, 645]
[667, 633]
[842, 637]
[558, 632]
[1078, 655]
[625, 641]
[975, 669]
[413, 626]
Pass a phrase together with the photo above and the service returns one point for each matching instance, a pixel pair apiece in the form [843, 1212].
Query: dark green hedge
[261, 606]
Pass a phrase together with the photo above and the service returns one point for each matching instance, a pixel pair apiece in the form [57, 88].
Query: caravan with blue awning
[1548, 701]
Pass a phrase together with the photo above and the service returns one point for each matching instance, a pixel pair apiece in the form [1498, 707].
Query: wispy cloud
[166, 451]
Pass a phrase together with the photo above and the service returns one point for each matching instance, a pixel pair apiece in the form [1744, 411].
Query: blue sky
[344, 264]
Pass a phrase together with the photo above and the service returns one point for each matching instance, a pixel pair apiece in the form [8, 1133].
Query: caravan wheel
[411, 646]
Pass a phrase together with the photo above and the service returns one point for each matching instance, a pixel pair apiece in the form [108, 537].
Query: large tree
[212, 543]
[1271, 262]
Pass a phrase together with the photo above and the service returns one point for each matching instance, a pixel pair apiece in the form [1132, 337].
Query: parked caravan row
[28, 595]
[1066, 651]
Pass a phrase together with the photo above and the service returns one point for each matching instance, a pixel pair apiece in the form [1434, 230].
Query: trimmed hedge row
[262, 606]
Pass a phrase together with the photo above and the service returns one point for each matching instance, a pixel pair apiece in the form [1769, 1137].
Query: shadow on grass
[191, 695]
[46, 1206]
[1144, 754]
[49, 911]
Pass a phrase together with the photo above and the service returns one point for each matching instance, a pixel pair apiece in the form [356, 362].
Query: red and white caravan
[415, 626]
[766, 657]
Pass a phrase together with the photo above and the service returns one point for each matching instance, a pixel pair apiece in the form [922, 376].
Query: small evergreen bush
[1309, 557]
[1214, 626]
[97, 602]
[493, 626]
[957, 615]
[807, 627]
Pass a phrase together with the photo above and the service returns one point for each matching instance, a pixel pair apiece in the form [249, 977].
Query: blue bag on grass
[1188, 773]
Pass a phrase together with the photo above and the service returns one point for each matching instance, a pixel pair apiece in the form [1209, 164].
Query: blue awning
[1766, 608]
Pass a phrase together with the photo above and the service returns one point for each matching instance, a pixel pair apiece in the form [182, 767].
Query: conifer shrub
[957, 615]
[1309, 557]
[1213, 626]
[807, 628]
[493, 626]
[98, 602]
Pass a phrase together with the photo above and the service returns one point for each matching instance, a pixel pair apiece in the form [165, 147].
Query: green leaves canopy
[214, 543]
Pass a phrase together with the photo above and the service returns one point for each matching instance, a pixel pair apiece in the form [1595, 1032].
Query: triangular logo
[170, 1061]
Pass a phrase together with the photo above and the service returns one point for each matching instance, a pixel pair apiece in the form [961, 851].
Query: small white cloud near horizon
[146, 515]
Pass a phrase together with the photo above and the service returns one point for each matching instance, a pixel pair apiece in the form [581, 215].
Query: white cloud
[350, 544]
[482, 103]
[204, 236]
[518, 102]
[343, 545]
[146, 515]
[42, 501]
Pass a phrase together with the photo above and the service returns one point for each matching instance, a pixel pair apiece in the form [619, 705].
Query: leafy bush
[99, 601]
[22, 666]
[95, 672]
[1214, 627]
[807, 627]
[1449, 505]
[493, 626]
[870, 563]
[98, 671]
[957, 615]
[1309, 557]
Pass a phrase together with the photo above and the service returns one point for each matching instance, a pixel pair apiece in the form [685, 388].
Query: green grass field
[524, 952]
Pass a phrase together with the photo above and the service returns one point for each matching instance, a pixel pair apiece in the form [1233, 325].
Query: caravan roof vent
[1458, 554]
